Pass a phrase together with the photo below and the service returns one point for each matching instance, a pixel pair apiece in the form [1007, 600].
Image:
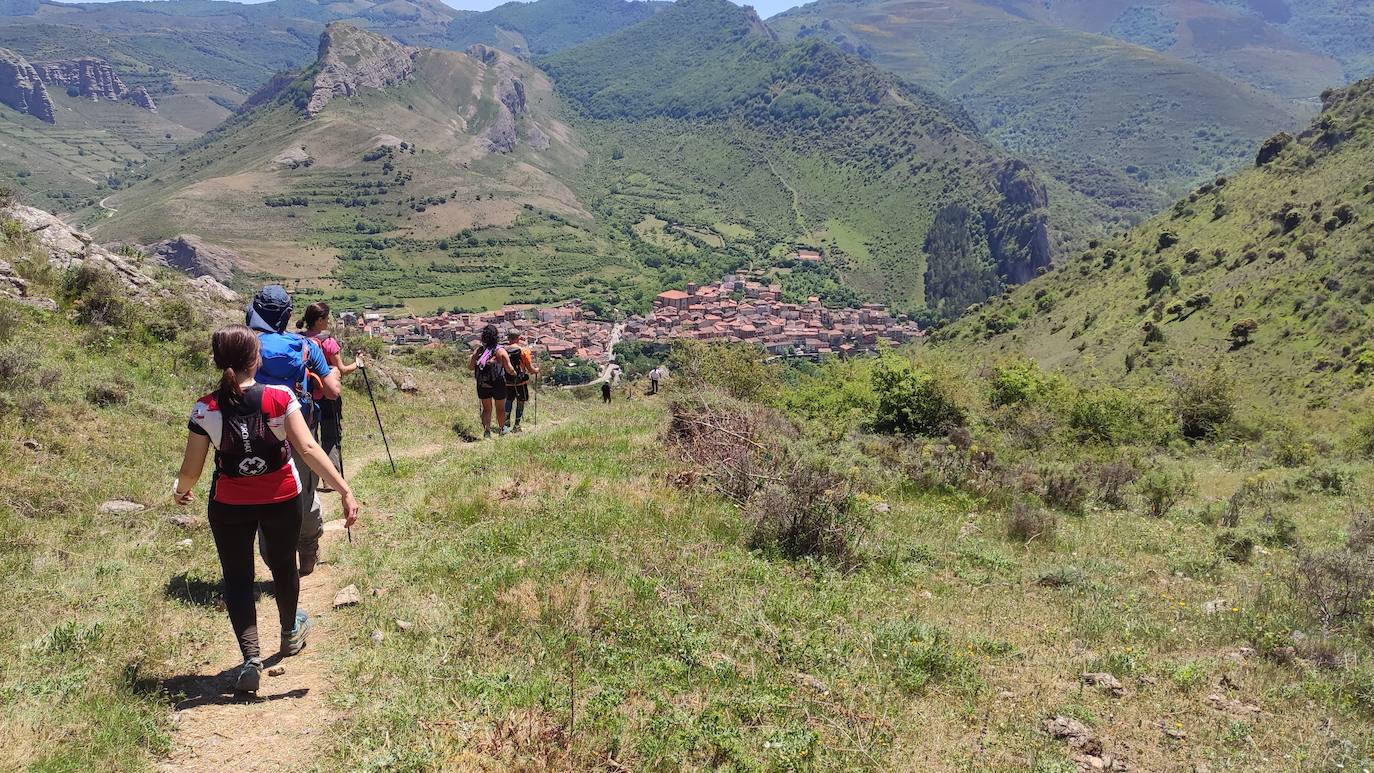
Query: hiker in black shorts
[490, 365]
[605, 391]
[518, 379]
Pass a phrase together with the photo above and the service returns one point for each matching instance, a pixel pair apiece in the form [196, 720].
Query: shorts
[518, 392]
[491, 392]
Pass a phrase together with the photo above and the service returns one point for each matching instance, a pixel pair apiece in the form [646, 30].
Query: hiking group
[503, 375]
[279, 393]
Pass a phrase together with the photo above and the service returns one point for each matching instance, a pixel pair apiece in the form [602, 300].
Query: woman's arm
[192, 462]
[298, 434]
[336, 360]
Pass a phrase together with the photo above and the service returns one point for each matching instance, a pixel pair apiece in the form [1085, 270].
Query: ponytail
[236, 350]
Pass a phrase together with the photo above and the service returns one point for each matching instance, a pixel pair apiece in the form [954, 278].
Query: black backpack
[517, 375]
[492, 372]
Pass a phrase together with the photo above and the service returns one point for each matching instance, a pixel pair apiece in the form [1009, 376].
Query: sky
[765, 8]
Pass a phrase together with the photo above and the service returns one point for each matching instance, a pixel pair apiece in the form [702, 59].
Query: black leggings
[234, 527]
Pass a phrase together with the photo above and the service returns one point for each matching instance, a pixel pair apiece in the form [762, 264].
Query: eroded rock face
[69, 248]
[1020, 236]
[351, 59]
[503, 135]
[22, 88]
[94, 79]
[191, 255]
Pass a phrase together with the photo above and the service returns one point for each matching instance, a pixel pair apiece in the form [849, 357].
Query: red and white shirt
[253, 463]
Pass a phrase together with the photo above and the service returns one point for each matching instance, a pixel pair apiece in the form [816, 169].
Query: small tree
[1204, 401]
[1241, 332]
[912, 401]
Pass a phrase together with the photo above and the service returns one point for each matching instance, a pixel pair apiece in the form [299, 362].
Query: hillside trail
[283, 727]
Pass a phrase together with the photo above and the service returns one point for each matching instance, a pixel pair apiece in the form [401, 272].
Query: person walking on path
[605, 391]
[258, 433]
[654, 376]
[490, 365]
[298, 363]
[518, 379]
[315, 324]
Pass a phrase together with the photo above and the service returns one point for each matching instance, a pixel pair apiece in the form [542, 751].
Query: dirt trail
[285, 727]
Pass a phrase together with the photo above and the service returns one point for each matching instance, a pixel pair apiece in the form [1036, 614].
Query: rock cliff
[21, 87]
[1018, 234]
[351, 59]
[503, 135]
[94, 79]
[191, 255]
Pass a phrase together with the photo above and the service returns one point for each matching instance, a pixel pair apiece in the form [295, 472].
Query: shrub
[16, 365]
[913, 401]
[1163, 488]
[1067, 490]
[1234, 546]
[919, 654]
[106, 394]
[98, 296]
[1026, 522]
[1160, 277]
[1021, 381]
[1333, 584]
[1203, 401]
[808, 511]
[1241, 332]
[1329, 479]
[1109, 415]
[1112, 480]
[737, 369]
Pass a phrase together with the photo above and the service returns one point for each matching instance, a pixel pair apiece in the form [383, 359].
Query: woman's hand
[183, 498]
[350, 508]
[358, 360]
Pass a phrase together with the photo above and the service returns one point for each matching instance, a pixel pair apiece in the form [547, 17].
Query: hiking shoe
[505, 431]
[308, 561]
[486, 434]
[293, 642]
[250, 675]
[516, 428]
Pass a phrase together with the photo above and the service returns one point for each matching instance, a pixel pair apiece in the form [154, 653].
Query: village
[738, 308]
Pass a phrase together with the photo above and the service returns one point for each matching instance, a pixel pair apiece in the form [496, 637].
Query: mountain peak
[351, 58]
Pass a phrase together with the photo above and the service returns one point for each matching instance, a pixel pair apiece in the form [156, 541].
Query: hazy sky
[765, 8]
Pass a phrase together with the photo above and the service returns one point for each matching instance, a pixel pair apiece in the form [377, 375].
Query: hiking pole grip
[378, 414]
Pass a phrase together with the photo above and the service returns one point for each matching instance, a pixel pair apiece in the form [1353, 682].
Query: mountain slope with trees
[910, 201]
[1267, 274]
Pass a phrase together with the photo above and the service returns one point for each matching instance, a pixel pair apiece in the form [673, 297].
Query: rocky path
[285, 727]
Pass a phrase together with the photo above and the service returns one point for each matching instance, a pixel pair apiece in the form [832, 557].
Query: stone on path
[347, 597]
[276, 670]
[1106, 681]
[404, 625]
[377, 636]
[120, 507]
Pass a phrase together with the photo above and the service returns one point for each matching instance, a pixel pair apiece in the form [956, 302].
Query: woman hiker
[490, 364]
[315, 323]
[255, 485]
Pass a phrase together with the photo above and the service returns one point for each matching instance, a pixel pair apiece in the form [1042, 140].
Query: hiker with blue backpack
[298, 363]
[490, 365]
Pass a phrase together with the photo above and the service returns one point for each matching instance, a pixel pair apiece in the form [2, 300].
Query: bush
[1160, 277]
[1067, 490]
[919, 654]
[808, 511]
[16, 365]
[1021, 381]
[1235, 547]
[736, 369]
[108, 393]
[1026, 522]
[1163, 488]
[1112, 480]
[1241, 332]
[98, 296]
[1110, 416]
[1203, 401]
[913, 401]
[1334, 584]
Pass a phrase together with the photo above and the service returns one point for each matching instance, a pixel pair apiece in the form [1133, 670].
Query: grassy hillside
[1293, 48]
[1121, 129]
[867, 162]
[1281, 250]
[546, 26]
[589, 591]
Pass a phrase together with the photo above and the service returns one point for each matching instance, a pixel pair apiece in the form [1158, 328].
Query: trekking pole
[378, 414]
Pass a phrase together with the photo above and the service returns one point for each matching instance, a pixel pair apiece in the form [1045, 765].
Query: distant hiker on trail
[654, 376]
[490, 365]
[298, 363]
[315, 324]
[258, 433]
[605, 391]
[518, 379]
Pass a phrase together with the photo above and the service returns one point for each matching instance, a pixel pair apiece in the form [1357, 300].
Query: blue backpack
[284, 358]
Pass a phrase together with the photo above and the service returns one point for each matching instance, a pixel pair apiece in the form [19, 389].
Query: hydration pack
[284, 358]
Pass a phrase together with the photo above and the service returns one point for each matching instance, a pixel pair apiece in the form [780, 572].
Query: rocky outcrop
[21, 87]
[191, 255]
[351, 59]
[94, 79]
[1272, 147]
[1018, 232]
[503, 134]
[269, 90]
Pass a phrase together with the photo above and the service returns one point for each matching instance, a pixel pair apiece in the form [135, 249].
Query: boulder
[195, 257]
[347, 597]
[69, 248]
[21, 87]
